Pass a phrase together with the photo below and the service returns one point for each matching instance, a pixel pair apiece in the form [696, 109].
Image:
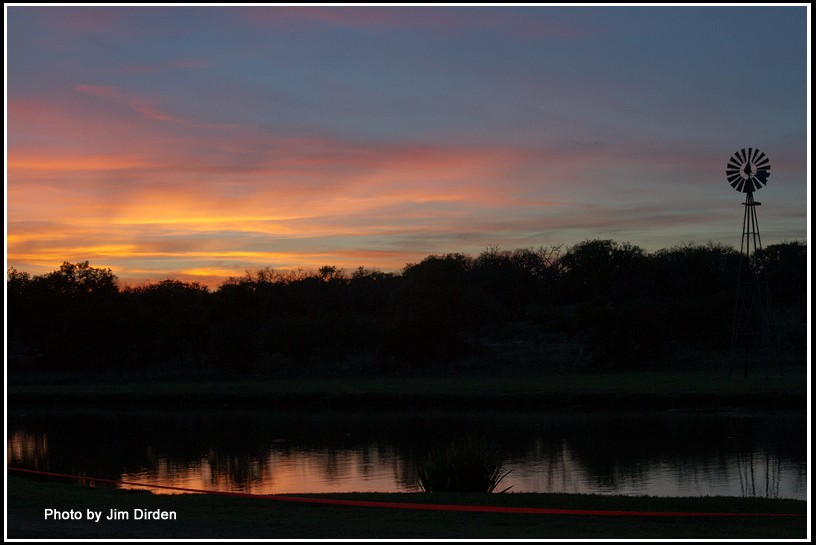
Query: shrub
[467, 464]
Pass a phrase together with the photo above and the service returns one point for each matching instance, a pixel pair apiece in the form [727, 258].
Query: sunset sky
[201, 142]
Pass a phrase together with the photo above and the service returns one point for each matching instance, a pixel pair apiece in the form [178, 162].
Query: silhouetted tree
[785, 267]
[79, 279]
[694, 270]
[695, 287]
[428, 311]
[616, 303]
[66, 319]
[509, 285]
[596, 269]
[371, 290]
[624, 334]
[21, 344]
[169, 323]
[241, 307]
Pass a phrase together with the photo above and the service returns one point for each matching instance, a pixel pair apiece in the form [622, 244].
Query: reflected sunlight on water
[27, 449]
[281, 473]
[661, 454]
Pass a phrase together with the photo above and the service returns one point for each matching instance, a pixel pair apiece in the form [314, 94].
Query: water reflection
[298, 471]
[27, 449]
[660, 454]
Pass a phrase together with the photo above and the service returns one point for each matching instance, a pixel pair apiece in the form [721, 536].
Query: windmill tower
[748, 171]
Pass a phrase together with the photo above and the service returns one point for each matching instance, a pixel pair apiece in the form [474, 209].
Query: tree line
[596, 304]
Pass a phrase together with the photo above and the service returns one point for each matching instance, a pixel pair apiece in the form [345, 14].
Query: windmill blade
[752, 185]
[748, 170]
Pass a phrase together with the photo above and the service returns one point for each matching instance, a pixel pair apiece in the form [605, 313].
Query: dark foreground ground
[209, 516]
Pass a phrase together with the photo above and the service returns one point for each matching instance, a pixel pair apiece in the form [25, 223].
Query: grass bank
[209, 516]
[624, 389]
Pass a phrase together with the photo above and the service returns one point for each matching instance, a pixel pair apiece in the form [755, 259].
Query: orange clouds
[22, 163]
[126, 183]
[213, 203]
[197, 200]
[194, 141]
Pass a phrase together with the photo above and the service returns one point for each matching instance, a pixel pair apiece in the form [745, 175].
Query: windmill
[747, 172]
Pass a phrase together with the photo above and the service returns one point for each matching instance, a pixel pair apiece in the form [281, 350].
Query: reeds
[469, 463]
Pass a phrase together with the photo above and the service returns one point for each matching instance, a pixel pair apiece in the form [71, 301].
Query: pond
[666, 453]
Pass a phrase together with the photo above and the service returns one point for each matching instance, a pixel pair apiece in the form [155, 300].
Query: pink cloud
[98, 90]
[81, 20]
[244, 172]
[145, 106]
[128, 192]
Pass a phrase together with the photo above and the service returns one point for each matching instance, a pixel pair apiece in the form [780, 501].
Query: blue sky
[200, 142]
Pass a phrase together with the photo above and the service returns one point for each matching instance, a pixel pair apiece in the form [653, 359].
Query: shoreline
[548, 515]
[692, 389]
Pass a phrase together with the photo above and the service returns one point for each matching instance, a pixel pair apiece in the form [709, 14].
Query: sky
[200, 142]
